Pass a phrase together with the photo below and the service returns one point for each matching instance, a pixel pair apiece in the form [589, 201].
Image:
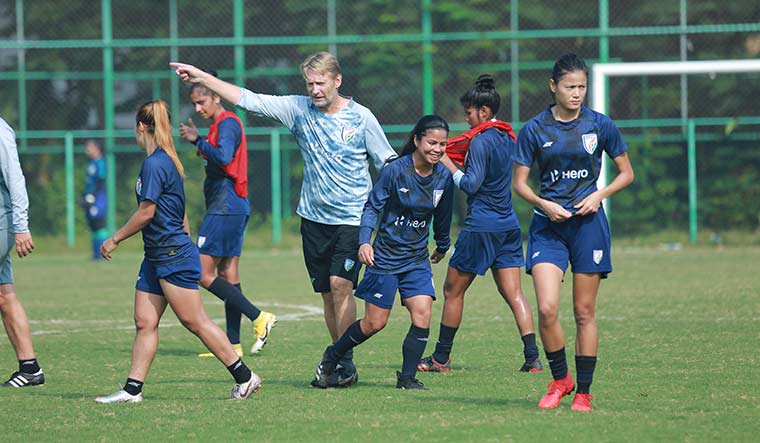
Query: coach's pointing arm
[191, 74]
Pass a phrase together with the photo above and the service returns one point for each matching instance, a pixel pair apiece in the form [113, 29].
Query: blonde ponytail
[155, 115]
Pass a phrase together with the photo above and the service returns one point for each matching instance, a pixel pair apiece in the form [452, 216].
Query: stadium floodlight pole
[601, 71]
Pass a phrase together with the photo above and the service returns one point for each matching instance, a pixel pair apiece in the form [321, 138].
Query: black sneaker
[534, 366]
[347, 375]
[409, 383]
[22, 379]
[326, 376]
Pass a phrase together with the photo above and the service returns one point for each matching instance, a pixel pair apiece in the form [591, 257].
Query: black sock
[344, 346]
[412, 350]
[133, 387]
[584, 367]
[557, 363]
[530, 350]
[28, 366]
[232, 316]
[240, 371]
[444, 344]
[232, 295]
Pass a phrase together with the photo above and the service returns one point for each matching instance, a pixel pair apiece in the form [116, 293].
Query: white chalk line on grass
[308, 312]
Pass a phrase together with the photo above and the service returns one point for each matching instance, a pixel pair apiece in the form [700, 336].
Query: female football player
[491, 237]
[171, 268]
[220, 238]
[567, 142]
[413, 191]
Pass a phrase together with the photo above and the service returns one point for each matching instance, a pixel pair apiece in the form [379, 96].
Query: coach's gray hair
[322, 62]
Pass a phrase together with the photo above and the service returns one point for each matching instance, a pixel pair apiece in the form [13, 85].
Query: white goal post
[602, 71]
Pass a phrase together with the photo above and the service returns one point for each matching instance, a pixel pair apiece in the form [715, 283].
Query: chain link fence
[82, 70]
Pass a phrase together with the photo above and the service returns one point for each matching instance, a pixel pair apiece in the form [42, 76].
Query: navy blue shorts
[583, 241]
[476, 252]
[380, 289]
[222, 235]
[184, 272]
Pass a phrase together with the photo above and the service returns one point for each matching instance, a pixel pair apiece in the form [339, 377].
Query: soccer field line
[308, 312]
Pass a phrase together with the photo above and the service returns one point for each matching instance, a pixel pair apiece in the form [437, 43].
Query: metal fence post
[692, 160]
[275, 168]
[427, 57]
[69, 167]
[108, 111]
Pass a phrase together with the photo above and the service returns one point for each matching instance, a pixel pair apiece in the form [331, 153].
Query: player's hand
[107, 248]
[188, 131]
[24, 244]
[555, 212]
[188, 73]
[589, 205]
[436, 256]
[367, 254]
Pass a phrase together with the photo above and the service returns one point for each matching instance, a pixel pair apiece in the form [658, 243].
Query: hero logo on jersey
[437, 194]
[589, 142]
[138, 185]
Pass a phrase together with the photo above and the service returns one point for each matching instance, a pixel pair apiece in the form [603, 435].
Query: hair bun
[485, 82]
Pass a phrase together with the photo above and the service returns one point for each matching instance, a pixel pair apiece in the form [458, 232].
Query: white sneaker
[120, 396]
[244, 390]
[261, 328]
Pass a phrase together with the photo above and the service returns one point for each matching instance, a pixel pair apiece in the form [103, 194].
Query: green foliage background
[386, 74]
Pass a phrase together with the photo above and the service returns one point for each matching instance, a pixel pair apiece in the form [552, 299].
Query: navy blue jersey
[569, 154]
[219, 187]
[487, 181]
[160, 182]
[406, 204]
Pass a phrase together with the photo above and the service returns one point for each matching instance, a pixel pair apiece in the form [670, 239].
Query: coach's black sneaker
[409, 383]
[22, 380]
[534, 366]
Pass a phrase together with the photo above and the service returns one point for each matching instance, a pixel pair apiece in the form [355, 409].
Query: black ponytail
[483, 94]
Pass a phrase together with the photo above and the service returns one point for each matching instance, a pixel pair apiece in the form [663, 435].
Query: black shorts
[330, 250]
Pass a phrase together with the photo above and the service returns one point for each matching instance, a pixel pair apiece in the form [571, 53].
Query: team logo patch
[348, 264]
[378, 295]
[589, 142]
[598, 254]
[201, 241]
[347, 134]
[138, 185]
[437, 194]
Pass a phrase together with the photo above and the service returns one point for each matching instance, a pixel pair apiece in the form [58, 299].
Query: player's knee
[584, 314]
[145, 323]
[193, 324]
[207, 278]
[372, 326]
[548, 313]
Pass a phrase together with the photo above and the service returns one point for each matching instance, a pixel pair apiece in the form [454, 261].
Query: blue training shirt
[406, 204]
[160, 182]
[336, 149]
[487, 181]
[219, 187]
[568, 154]
[96, 175]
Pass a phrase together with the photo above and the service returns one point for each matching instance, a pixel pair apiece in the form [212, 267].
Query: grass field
[678, 361]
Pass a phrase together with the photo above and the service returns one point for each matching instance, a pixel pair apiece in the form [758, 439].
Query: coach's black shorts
[330, 250]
